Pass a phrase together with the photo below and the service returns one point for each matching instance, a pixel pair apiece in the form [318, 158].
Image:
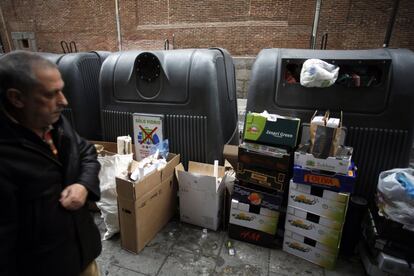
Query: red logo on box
[249, 235]
[322, 180]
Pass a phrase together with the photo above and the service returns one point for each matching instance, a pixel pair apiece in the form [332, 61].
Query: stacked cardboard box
[264, 168]
[317, 205]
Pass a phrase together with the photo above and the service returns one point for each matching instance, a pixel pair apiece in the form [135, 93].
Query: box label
[334, 181]
[250, 235]
[282, 131]
[257, 198]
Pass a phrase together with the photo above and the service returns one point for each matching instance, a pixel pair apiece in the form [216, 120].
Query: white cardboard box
[329, 204]
[299, 221]
[339, 164]
[266, 221]
[308, 249]
[200, 194]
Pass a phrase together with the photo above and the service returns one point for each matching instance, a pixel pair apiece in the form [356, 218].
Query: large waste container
[193, 88]
[374, 90]
[80, 72]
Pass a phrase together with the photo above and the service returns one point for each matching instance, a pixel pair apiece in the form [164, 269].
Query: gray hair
[17, 70]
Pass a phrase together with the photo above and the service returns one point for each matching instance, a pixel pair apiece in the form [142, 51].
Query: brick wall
[89, 23]
[244, 27]
[363, 24]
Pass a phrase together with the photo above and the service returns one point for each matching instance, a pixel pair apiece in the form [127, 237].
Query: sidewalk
[181, 249]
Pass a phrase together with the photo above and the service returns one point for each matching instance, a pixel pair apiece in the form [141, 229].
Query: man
[47, 172]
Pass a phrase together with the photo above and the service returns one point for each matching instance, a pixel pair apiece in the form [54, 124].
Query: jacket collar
[11, 131]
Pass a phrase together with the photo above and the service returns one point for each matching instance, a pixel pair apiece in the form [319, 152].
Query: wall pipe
[391, 24]
[118, 25]
[5, 30]
[315, 24]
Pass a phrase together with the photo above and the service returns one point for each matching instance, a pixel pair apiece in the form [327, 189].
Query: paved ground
[182, 249]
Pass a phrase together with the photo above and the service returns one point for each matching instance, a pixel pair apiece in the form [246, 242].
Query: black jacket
[37, 235]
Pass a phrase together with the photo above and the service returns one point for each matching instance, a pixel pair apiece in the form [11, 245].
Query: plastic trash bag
[111, 166]
[396, 195]
[162, 147]
[318, 73]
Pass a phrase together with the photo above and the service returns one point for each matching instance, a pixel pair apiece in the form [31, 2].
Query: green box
[271, 130]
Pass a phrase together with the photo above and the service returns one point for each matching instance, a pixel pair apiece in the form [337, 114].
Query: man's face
[44, 104]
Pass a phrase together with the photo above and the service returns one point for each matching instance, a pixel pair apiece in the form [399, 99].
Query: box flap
[109, 146]
[124, 188]
[188, 181]
[128, 190]
[230, 153]
[147, 184]
[173, 160]
[199, 177]
[178, 168]
[204, 169]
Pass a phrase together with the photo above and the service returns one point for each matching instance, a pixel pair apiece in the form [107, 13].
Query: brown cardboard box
[264, 166]
[231, 153]
[146, 206]
[107, 146]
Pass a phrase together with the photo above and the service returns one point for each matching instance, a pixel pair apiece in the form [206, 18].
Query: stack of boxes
[263, 171]
[317, 204]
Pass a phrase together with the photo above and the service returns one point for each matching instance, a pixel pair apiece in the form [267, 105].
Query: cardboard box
[309, 249]
[283, 155]
[314, 227]
[339, 164]
[274, 180]
[230, 153]
[332, 181]
[146, 206]
[251, 235]
[107, 146]
[281, 132]
[200, 194]
[318, 201]
[257, 198]
[263, 219]
[268, 170]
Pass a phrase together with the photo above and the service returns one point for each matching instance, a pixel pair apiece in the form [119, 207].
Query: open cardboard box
[146, 206]
[201, 194]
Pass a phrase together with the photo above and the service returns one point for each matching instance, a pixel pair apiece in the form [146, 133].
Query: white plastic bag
[318, 73]
[396, 195]
[111, 166]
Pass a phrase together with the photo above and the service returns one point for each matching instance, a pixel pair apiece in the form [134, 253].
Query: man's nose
[62, 99]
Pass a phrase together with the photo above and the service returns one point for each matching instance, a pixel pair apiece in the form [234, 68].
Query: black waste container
[80, 72]
[193, 88]
[374, 90]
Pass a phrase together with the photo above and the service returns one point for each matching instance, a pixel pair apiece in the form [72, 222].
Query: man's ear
[15, 97]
